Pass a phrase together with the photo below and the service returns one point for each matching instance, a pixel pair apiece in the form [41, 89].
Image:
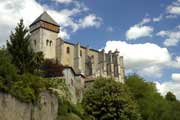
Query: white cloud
[63, 34]
[90, 21]
[140, 55]
[151, 71]
[171, 42]
[146, 59]
[175, 77]
[13, 10]
[63, 1]
[140, 30]
[162, 33]
[144, 21]
[137, 31]
[171, 16]
[172, 37]
[171, 86]
[174, 8]
[175, 63]
[157, 19]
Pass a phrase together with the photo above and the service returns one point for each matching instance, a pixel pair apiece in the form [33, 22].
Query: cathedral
[88, 62]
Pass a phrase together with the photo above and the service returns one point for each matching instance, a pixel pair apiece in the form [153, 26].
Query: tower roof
[45, 17]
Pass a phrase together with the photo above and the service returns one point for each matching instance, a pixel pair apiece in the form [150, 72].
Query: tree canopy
[152, 105]
[110, 100]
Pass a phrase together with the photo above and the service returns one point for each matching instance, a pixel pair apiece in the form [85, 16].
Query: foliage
[22, 54]
[152, 105]
[69, 116]
[7, 71]
[59, 86]
[170, 96]
[25, 87]
[108, 99]
[52, 69]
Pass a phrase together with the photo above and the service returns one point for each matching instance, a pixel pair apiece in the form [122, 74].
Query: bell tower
[44, 32]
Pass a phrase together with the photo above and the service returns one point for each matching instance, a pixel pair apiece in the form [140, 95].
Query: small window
[47, 42]
[80, 52]
[50, 44]
[68, 50]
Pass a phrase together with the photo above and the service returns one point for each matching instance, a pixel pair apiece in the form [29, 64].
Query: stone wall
[12, 109]
[75, 84]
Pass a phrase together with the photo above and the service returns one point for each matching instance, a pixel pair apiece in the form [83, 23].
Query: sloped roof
[45, 17]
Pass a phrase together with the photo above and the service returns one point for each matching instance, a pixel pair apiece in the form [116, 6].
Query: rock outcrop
[45, 109]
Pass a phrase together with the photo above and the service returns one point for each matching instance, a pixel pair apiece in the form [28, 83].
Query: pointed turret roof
[45, 17]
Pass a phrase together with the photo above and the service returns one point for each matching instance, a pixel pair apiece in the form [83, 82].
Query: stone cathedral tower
[44, 32]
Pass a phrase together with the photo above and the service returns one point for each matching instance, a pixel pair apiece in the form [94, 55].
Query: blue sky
[146, 32]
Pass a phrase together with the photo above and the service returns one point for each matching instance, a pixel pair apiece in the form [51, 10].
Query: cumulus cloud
[176, 77]
[171, 86]
[175, 63]
[171, 16]
[157, 19]
[172, 37]
[144, 21]
[89, 21]
[140, 30]
[136, 32]
[148, 59]
[13, 10]
[151, 71]
[174, 8]
[140, 55]
[63, 1]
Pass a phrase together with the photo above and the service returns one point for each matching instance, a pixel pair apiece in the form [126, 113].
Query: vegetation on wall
[25, 87]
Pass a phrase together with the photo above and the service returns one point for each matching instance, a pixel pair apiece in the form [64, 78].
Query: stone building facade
[88, 62]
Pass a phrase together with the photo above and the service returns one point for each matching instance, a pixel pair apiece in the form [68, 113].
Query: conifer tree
[19, 48]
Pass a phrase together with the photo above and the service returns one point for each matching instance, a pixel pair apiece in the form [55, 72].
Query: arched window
[47, 42]
[68, 50]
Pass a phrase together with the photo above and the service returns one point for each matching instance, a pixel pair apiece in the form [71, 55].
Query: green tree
[19, 48]
[170, 96]
[109, 100]
[7, 71]
[151, 104]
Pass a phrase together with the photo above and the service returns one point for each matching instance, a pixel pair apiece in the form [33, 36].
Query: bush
[28, 87]
[69, 116]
